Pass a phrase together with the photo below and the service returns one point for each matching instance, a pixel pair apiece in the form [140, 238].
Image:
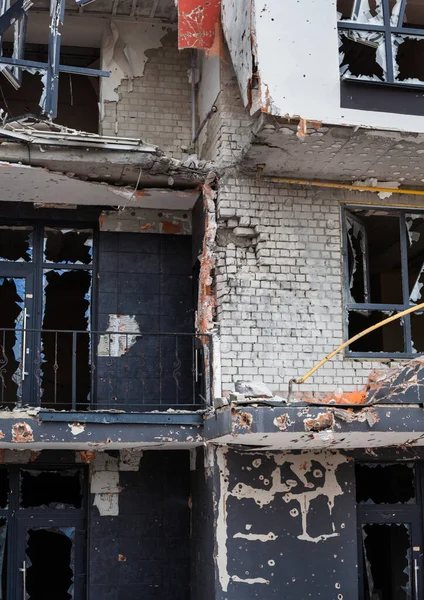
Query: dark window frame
[349, 306]
[387, 29]
[411, 513]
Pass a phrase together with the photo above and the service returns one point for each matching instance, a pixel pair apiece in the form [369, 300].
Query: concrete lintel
[317, 427]
[30, 432]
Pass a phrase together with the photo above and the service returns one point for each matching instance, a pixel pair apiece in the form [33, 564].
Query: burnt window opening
[384, 274]
[78, 95]
[387, 569]
[51, 489]
[16, 244]
[50, 574]
[385, 483]
[381, 42]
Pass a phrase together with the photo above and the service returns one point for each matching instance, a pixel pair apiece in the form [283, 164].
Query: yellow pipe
[341, 186]
[356, 337]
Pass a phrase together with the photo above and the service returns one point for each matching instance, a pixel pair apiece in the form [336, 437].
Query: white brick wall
[158, 109]
[280, 293]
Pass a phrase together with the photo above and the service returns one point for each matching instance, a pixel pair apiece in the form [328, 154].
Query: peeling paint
[76, 428]
[206, 298]
[321, 422]
[124, 331]
[22, 433]
[85, 456]
[261, 537]
[129, 460]
[197, 23]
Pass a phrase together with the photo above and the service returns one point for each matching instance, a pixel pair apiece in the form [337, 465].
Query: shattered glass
[51, 489]
[408, 64]
[12, 299]
[16, 244]
[415, 242]
[68, 246]
[387, 561]
[385, 483]
[50, 574]
[362, 55]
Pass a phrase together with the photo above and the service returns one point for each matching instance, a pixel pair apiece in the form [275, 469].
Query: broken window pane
[15, 244]
[415, 243]
[3, 558]
[408, 55]
[345, 9]
[378, 483]
[362, 55]
[68, 246]
[361, 11]
[12, 298]
[379, 239]
[414, 14]
[387, 561]
[50, 563]
[67, 296]
[384, 339]
[51, 489]
[417, 332]
[4, 487]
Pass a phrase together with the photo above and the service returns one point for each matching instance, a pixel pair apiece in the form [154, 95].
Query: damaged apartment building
[211, 299]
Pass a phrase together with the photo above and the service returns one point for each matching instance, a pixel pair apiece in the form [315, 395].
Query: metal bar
[55, 368]
[369, 306]
[31, 64]
[405, 281]
[154, 8]
[109, 417]
[388, 41]
[23, 571]
[24, 336]
[74, 370]
[347, 25]
[9, 17]
[135, 333]
[401, 13]
[57, 8]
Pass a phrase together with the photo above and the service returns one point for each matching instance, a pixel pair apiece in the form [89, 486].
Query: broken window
[382, 483]
[50, 574]
[51, 489]
[3, 557]
[69, 246]
[15, 244]
[384, 274]
[387, 568]
[381, 41]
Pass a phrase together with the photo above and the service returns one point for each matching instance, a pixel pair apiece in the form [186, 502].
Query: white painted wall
[297, 51]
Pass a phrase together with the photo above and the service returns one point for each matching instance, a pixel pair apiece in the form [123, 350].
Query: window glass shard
[384, 483]
[68, 246]
[16, 244]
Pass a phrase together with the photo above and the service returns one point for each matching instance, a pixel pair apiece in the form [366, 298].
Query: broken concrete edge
[148, 166]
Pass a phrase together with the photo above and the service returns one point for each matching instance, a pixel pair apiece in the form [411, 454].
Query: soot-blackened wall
[144, 551]
[286, 526]
[146, 279]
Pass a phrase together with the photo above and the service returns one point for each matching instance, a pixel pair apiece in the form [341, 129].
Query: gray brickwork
[158, 109]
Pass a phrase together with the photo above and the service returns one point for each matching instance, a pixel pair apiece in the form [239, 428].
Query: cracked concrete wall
[285, 525]
[279, 285]
[154, 106]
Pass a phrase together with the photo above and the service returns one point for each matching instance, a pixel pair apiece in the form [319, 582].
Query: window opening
[51, 489]
[4, 487]
[385, 483]
[12, 299]
[50, 563]
[16, 244]
[387, 561]
[384, 274]
[381, 41]
[3, 558]
[70, 246]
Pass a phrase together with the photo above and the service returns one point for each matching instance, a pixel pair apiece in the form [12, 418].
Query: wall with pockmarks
[285, 526]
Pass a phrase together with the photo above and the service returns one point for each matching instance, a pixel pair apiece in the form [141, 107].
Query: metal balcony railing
[104, 370]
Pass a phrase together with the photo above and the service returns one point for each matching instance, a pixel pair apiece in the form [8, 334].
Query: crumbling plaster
[297, 86]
